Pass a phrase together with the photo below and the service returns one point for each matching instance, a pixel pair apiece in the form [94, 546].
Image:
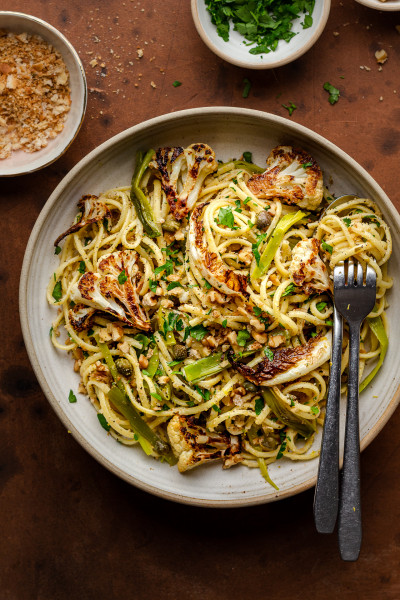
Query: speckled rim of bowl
[376, 5]
[137, 129]
[78, 61]
[279, 63]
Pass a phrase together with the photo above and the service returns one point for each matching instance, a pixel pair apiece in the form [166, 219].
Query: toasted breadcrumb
[34, 93]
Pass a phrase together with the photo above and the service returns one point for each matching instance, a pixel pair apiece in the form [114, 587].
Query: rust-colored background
[69, 528]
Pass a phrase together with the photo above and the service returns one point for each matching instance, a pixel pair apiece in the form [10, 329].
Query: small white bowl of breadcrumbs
[43, 94]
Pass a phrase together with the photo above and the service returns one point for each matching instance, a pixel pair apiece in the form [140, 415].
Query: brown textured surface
[69, 528]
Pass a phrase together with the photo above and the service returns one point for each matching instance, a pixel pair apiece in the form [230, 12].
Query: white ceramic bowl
[110, 165]
[235, 52]
[21, 162]
[390, 5]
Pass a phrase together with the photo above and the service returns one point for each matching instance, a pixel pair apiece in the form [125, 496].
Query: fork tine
[339, 275]
[350, 272]
[360, 275]
[370, 278]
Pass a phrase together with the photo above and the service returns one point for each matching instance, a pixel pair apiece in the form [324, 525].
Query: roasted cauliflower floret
[292, 175]
[93, 210]
[194, 445]
[114, 288]
[210, 264]
[307, 268]
[182, 172]
[80, 316]
[288, 364]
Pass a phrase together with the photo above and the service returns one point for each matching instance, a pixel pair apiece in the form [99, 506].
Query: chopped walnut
[216, 297]
[245, 256]
[143, 362]
[257, 325]
[149, 299]
[210, 341]
[276, 340]
[381, 56]
[260, 337]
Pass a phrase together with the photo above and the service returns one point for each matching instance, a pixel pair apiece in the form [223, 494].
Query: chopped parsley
[257, 311]
[207, 285]
[269, 354]
[156, 396]
[246, 88]
[177, 83]
[82, 267]
[198, 332]
[71, 397]
[203, 393]
[315, 410]
[291, 107]
[263, 24]
[103, 422]
[282, 447]
[327, 247]
[334, 93]
[57, 250]
[321, 306]
[237, 209]
[307, 164]
[347, 221]
[152, 285]
[225, 217]
[255, 246]
[289, 290]
[247, 200]
[168, 267]
[242, 337]
[122, 277]
[216, 408]
[329, 323]
[224, 323]
[57, 291]
[258, 405]
[173, 285]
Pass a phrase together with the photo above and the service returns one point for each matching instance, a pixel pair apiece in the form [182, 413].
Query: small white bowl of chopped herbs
[249, 34]
[43, 94]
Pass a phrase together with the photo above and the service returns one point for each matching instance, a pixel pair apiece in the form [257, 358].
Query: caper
[268, 442]
[249, 386]
[124, 367]
[264, 220]
[170, 224]
[179, 352]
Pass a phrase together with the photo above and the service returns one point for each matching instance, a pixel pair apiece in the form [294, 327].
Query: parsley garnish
[156, 396]
[152, 285]
[168, 267]
[103, 422]
[198, 332]
[57, 250]
[238, 209]
[315, 410]
[291, 107]
[216, 408]
[321, 306]
[177, 83]
[122, 277]
[269, 354]
[225, 217]
[307, 164]
[246, 88]
[224, 323]
[347, 221]
[257, 311]
[71, 397]
[333, 92]
[329, 323]
[57, 291]
[255, 246]
[203, 393]
[258, 405]
[207, 285]
[242, 337]
[173, 285]
[289, 290]
[327, 247]
[247, 200]
[283, 445]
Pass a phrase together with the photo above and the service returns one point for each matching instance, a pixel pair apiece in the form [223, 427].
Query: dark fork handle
[350, 531]
[326, 497]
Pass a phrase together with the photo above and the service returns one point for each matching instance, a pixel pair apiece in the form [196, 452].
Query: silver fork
[354, 299]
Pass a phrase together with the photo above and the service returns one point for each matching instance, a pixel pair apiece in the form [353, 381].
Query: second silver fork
[354, 299]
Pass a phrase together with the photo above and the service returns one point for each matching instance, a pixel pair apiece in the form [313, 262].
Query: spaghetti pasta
[212, 284]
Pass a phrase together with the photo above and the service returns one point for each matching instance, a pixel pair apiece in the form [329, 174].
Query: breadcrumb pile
[35, 96]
